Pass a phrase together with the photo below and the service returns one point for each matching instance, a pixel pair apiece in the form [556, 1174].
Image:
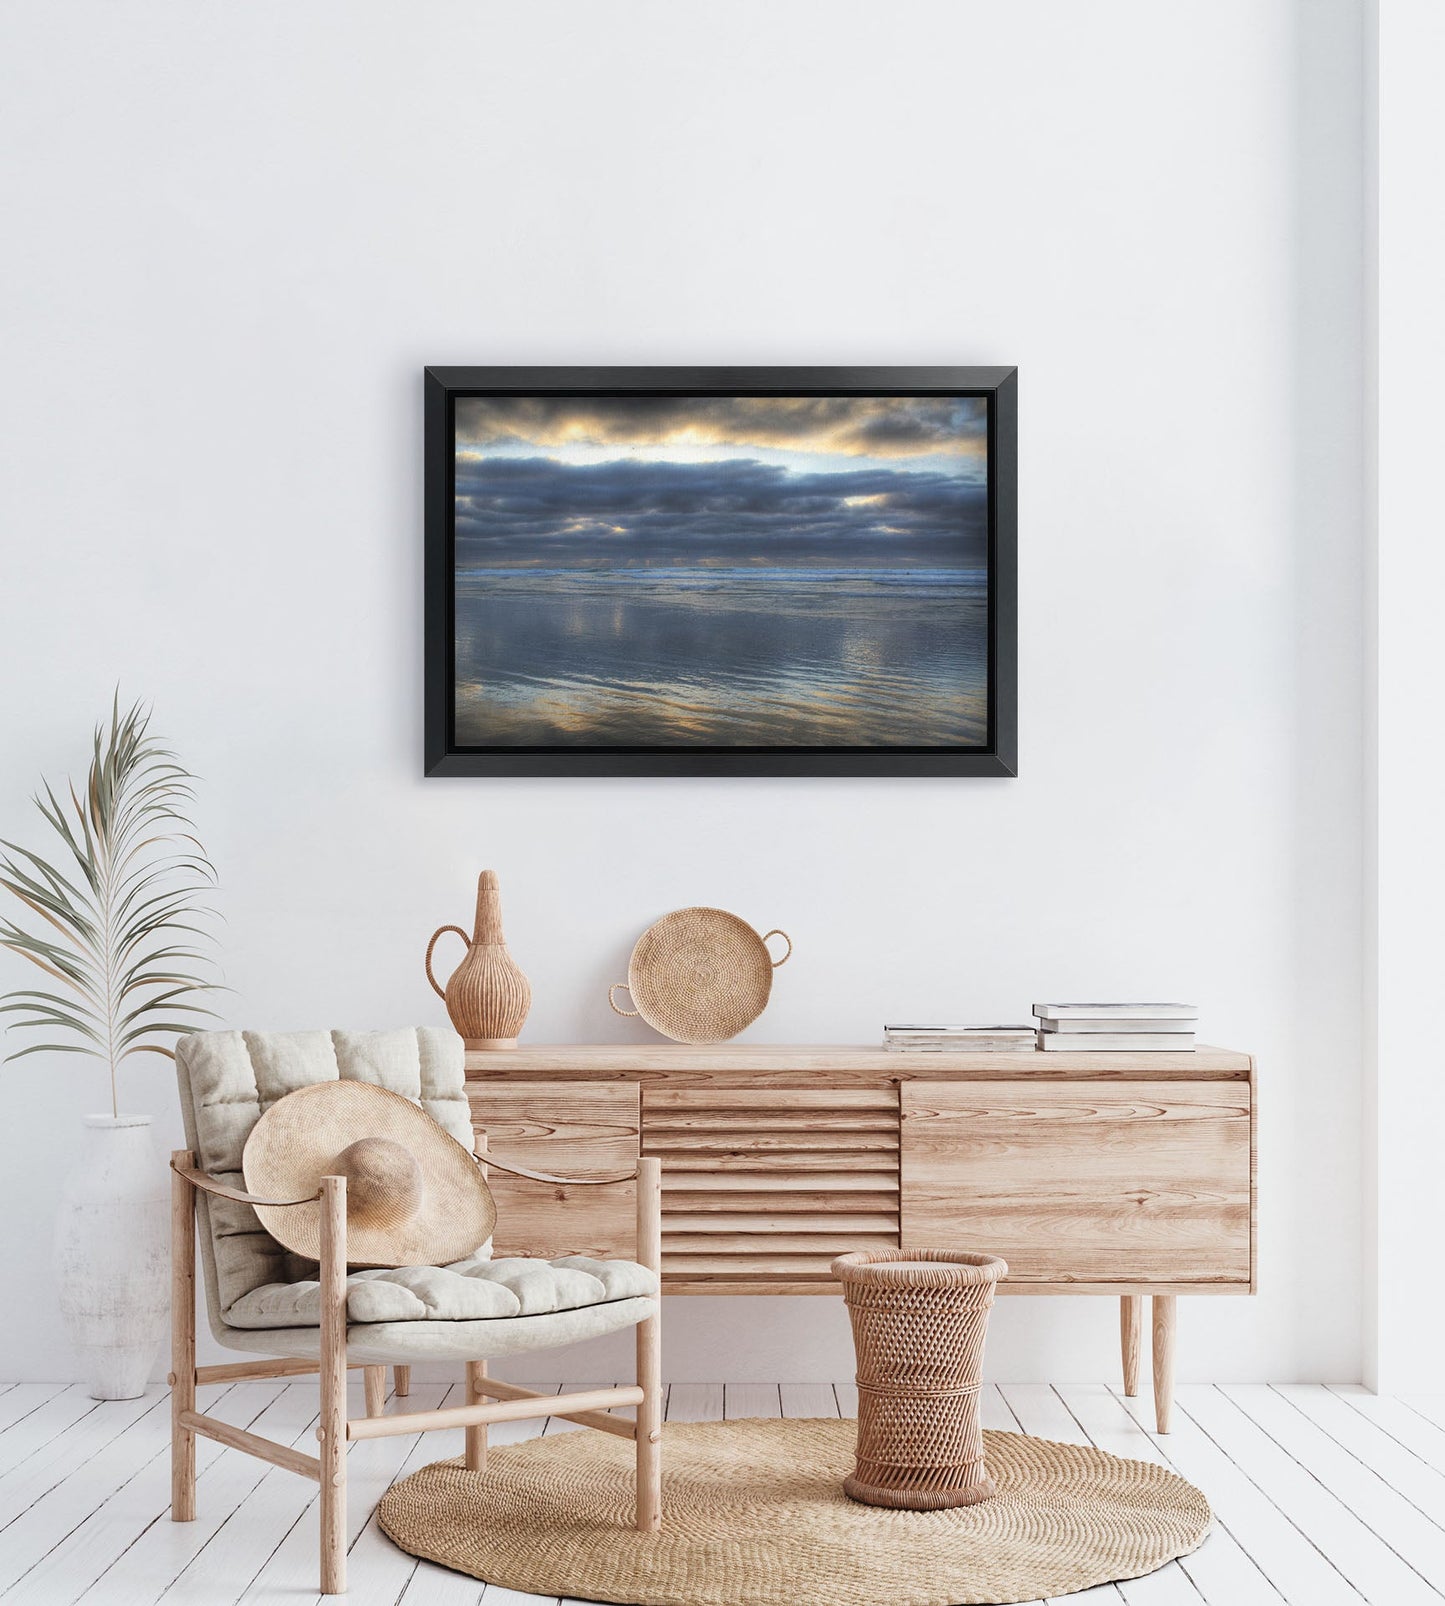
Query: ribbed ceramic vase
[111, 1254]
[488, 996]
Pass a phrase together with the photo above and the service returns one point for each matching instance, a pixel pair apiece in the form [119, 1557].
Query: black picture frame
[444, 385]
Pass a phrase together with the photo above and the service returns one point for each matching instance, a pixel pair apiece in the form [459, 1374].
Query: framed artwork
[720, 571]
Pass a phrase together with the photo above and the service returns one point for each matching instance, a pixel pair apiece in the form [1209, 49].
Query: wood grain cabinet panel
[569, 1129]
[1121, 1182]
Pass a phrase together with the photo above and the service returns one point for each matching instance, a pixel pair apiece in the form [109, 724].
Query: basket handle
[441, 931]
[787, 939]
[611, 1000]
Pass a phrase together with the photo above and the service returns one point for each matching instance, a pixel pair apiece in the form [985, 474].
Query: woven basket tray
[700, 975]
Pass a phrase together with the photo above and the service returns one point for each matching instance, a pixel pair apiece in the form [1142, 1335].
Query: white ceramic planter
[111, 1254]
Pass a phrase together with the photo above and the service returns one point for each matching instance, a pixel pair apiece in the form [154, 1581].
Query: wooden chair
[209, 1067]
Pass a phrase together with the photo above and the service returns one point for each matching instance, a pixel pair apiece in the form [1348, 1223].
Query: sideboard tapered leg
[1164, 1314]
[1131, 1336]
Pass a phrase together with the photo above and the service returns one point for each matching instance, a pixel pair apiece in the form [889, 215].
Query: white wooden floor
[1322, 1495]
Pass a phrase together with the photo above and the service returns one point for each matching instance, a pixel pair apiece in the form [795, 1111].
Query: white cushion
[475, 1289]
[228, 1078]
[392, 1343]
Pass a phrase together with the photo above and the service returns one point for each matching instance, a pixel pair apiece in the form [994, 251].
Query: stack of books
[959, 1039]
[1115, 1028]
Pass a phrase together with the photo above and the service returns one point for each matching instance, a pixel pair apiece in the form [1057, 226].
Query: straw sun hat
[414, 1195]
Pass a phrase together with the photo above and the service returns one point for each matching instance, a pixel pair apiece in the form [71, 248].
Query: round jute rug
[754, 1514]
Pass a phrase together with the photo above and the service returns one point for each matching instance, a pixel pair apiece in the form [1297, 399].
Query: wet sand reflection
[726, 657]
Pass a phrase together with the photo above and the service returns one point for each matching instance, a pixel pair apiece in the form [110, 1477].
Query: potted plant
[113, 919]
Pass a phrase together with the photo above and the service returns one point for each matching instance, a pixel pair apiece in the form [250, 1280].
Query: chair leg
[649, 1426]
[332, 1429]
[476, 1456]
[649, 1353]
[183, 1341]
[402, 1374]
[476, 1438]
[375, 1389]
[1131, 1332]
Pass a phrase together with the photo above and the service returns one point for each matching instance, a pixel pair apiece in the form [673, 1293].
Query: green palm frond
[114, 912]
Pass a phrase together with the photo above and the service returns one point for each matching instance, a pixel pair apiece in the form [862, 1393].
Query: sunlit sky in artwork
[653, 481]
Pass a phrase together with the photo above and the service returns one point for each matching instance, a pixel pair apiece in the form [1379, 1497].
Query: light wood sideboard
[1117, 1174]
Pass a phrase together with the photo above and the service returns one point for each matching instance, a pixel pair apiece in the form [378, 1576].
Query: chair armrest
[223, 1190]
[490, 1159]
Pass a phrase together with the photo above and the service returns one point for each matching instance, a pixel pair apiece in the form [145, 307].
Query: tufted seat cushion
[227, 1079]
[263, 1299]
[467, 1290]
[402, 1343]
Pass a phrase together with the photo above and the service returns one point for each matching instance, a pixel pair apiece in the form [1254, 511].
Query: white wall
[1406, 1102]
[237, 233]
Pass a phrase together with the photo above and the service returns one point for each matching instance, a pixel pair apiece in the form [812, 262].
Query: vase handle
[441, 931]
[787, 939]
[611, 1000]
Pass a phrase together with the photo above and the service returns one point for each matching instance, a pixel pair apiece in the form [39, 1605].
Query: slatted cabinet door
[762, 1187]
[1102, 1182]
[568, 1129]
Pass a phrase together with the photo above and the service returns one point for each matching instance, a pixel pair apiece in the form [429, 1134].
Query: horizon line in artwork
[771, 572]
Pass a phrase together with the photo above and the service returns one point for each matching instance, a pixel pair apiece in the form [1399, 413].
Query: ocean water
[721, 657]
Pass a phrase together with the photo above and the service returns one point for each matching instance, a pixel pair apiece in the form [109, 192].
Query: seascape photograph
[667, 572]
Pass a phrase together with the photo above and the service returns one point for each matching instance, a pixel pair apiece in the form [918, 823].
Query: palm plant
[119, 911]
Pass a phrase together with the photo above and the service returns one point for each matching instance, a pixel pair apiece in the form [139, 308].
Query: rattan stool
[919, 1319]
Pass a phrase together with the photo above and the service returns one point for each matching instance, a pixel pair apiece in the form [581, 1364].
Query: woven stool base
[754, 1514]
[873, 1494]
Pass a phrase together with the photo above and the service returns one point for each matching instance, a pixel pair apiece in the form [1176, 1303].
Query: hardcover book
[1117, 1011]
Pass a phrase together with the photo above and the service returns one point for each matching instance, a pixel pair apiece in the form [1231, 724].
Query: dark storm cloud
[851, 425]
[537, 510]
